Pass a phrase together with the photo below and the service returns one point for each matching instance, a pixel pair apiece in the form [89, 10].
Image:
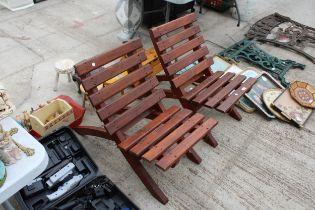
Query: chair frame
[150, 107]
[213, 90]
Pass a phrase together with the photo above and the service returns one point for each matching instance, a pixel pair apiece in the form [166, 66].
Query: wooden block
[194, 71]
[177, 152]
[127, 98]
[172, 25]
[204, 84]
[203, 96]
[132, 113]
[182, 49]
[172, 138]
[174, 39]
[225, 91]
[110, 90]
[99, 60]
[108, 73]
[132, 140]
[160, 132]
[226, 105]
[187, 60]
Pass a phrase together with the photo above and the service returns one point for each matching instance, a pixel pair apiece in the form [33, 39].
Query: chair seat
[168, 137]
[220, 91]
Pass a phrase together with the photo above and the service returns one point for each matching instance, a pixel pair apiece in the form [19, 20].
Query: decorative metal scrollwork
[247, 50]
[284, 32]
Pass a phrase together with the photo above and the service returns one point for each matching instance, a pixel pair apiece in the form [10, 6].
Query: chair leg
[84, 99]
[200, 8]
[186, 105]
[146, 179]
[56, 81]
[93, 131]
[238, 13]
[211, 140]
[193, 156]
[235, 114]
[69, 77]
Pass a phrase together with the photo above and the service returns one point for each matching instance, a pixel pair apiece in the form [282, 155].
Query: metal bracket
[247, 50]
[284, 32]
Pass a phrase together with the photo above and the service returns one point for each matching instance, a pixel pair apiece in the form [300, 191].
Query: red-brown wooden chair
[169, 134]
[179, 44]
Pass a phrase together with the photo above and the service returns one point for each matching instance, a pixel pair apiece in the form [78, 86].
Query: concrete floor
[258, 164]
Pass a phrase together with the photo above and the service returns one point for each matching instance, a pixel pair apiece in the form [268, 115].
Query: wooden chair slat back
[173, 25]
[86, 66]
[115, 109]
[179, 46]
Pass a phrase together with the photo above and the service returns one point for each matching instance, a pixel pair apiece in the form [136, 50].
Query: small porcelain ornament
[9, 151]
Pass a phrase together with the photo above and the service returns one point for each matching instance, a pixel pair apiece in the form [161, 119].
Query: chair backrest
[111, 106]
[179, 45]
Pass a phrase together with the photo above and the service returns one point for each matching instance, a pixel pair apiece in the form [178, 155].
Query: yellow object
[118, 77]
[153, 60]
[45, 120]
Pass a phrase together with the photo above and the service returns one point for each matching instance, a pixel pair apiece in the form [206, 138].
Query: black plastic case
[63, 147]
[111, 198]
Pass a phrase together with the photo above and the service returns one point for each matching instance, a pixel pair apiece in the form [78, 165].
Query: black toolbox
[70, 180]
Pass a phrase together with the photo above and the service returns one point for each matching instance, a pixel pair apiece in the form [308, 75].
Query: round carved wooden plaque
[303, 93]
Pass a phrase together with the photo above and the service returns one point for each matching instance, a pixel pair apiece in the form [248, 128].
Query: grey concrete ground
[258, 164]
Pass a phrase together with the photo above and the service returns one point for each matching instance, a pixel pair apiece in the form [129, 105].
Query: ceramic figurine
[6, 107]
[26, 150]
[10, 150]
[24, 120]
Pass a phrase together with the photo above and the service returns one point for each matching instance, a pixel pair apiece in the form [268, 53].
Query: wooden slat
[132, 140]
[226, 105]
[173, 25]
[225, 91]
[97, 61]
[182, 49]
[112, 71]
[174, 39]
[160, 132]
[135, 111]
[204, 84]
[172, 138]
[127, 98]
[194, 71]
[118, 86]
[187, 60]
[177, 152]
[202, 97]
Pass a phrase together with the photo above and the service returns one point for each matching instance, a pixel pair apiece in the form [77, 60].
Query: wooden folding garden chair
[179, 45]
[165, 138]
